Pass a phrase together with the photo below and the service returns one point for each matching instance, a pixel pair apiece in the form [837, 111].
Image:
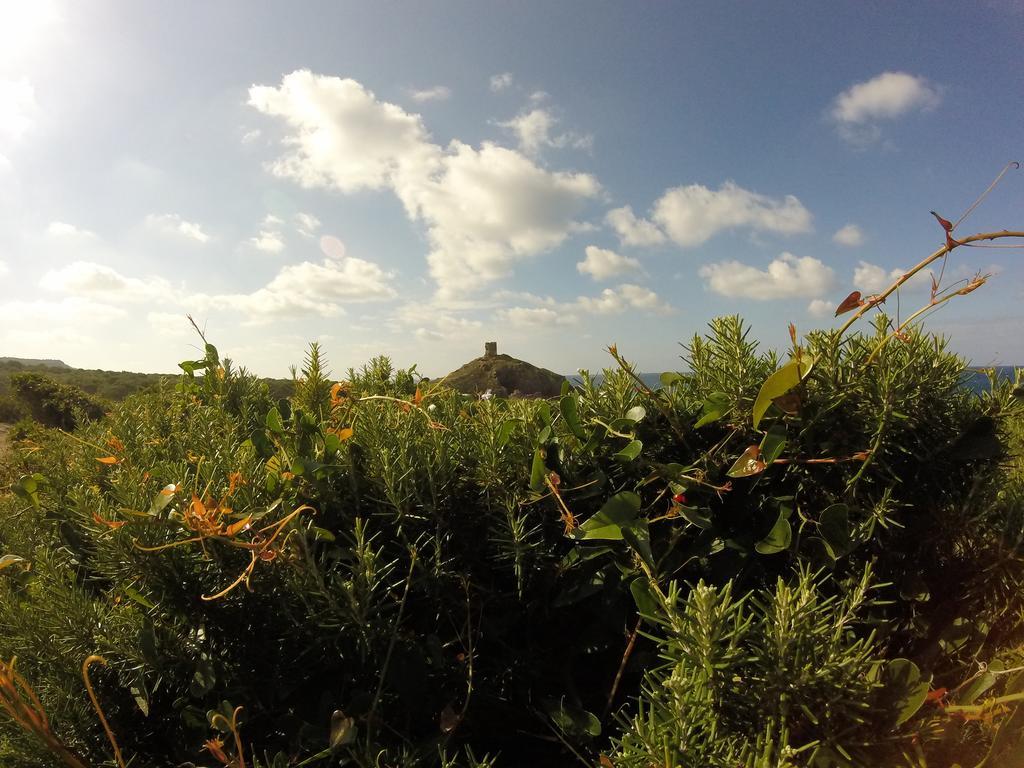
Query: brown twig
[622, 665]
[934, 256]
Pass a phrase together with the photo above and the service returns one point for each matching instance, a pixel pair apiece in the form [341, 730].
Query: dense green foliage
[104, 385]
[53, 404]
[382, 574]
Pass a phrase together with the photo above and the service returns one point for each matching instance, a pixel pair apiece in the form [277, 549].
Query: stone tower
[490, 349]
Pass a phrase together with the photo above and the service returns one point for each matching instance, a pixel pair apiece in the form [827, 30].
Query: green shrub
[53, 404]
[386, 574]
[10, 410]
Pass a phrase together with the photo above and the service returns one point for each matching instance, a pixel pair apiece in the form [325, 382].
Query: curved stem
[936, 255]
[96, 705]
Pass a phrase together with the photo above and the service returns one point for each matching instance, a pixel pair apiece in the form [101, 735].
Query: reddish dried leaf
[948, 227]
[114, 524]
[108, 460]
[936, 696]
[234, 528]
[850, 302]
[944, 223]
[792, 333]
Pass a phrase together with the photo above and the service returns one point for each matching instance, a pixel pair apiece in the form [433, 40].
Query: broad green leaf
[643, 596]
[978, 686]
[620, 511]
[638, 536]
[545, 412]
[779, 383]
[332, 443]
[629, 452]
[138, 597]
[191, 366]
[669, 378]
[164, 497]
[570, 414]
[571, 720]
[834, 527]
[505, 432]
[262, 444]
[636, 413]
[343, 730]
[749, 463]
[140, 695]
[321, 534]
[778, 538]
[538, 471]
[27, 487]
[274, 422]
[696, 516]
[203, 679]
[714, 407]
[773, 443]
[905, 688]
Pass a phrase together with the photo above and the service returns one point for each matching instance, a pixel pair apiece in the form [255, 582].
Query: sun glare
[23, 26]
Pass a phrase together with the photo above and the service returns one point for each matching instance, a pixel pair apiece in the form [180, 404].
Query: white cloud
[343, 137]
[308, 288]
[631, 230]
[613, 301]
[4, 269]
[172, 223]
[533, 131]
[437, 93]
[534, 317]
[24, 28]
[871, 278]
[857, 110]
[170, 324]
[821, 308]
[693, 214]
[270, 238]
[306, 224]
[786, 277]
[62, 230]
[250, 137]
[602, 264]
[56, 317]
[89, 280]
[850, 235]
[268, 242]
[17, 107]
[501, 82]
[427, 334]
[484, 208]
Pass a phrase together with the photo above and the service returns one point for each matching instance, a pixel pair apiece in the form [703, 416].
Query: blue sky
[416, 178]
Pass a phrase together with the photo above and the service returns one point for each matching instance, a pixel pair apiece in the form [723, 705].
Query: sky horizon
[415, 180]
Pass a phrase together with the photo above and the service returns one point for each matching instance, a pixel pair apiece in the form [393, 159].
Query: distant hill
[29, 362]
[504, 376]
[110, 385]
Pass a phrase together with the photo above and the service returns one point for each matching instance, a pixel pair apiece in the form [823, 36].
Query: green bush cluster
[383, 572]
[55, 405]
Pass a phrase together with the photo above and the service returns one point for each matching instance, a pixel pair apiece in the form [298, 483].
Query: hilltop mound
[505, 376]
[29, 362]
